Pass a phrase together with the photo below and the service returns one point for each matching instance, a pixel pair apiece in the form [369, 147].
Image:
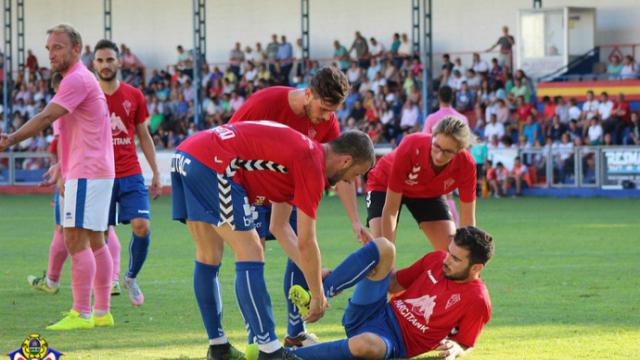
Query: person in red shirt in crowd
[218, 174]
[442, 304]
[418, 173]
[523, 111]
[497, 178]
[518, 174]
[310, 111]
[619, 120]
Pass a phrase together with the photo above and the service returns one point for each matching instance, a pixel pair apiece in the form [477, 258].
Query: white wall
[153, 28]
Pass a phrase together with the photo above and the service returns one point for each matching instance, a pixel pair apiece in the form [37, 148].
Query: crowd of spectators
[385, 101]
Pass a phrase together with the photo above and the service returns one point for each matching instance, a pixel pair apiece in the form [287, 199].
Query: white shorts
[86, 203]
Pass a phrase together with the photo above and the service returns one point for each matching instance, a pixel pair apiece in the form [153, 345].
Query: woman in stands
[418, 174]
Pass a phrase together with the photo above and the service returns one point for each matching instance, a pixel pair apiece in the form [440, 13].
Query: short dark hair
[477, 242]
[354, 143]
[106, 44]
[330, 85]
[445, 94]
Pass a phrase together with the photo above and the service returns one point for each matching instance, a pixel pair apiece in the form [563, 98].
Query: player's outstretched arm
[347, 193]
[310, 262]
[33, 126]
[449, 349]
[390, 214]
[280, 228]
[467, 213]
[149, 151]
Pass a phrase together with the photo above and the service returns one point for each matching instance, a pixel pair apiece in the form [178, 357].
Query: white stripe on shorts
[86, 203]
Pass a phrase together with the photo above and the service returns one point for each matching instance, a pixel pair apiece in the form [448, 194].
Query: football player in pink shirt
[87, 167]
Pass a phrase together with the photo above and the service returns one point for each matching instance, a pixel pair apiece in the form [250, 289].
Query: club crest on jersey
[117, 126]
[455, 298]
[35, 347]
[259, 200]
[126, 105]
[312, 133]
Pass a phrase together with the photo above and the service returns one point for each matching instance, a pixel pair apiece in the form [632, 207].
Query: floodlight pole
[20, 33]
[415, 26]
[7, 78]
[304, 7]
[427, 59]
[198, 54]
[107, 19]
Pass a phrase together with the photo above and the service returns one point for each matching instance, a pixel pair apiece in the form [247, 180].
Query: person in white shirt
[479, 66]
[629, 68]
[493, 128]
[605, 106]
[376, 48]
[574, 110]
[590, 107]
[457, 65]
[595, 132]
[410, 114]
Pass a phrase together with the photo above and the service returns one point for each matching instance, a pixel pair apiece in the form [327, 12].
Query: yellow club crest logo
[35, 347]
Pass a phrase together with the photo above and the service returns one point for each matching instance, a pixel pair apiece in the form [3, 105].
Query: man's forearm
[32, 127]
[310, 264]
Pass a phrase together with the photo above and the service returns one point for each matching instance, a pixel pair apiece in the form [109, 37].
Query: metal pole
[20, 25]
[196, 62]
[107, 19]
[202, 29]
[7, 66]
[304, 6]
[427, 60]
[415, 26]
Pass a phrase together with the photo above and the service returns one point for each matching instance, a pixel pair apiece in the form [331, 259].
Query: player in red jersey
[128, 119]
[444, 304]
[418, 173]
[218, 174]
[310, 111]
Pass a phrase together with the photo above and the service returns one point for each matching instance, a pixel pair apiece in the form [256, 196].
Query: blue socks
[138, 250]
[293, 276]
[335, 350]
[353, 269]
[207, 289]
[254, 301]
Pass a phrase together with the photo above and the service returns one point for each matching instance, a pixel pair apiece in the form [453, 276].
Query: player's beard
[338, 176]
[307, 113]
[107, 78]
[462, 275]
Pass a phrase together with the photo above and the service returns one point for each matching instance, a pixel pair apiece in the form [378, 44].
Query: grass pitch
[565, 282]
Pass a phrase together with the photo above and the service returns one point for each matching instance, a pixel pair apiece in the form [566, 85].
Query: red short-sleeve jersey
[408, 170]
[127, 108]
[433, 306]
[273, 104]
[262, 142]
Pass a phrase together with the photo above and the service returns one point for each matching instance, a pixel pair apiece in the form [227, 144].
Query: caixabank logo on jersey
[35, 347]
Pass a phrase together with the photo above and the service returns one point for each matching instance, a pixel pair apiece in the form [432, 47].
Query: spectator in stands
[446, 62]
[354, 73]
[629, 68]
[590, 106]
[132, 69]
[406, 50]
[634, 134]
[465, 98]
[614, 68]
[376, 48]
[619, 119]
[520, 89]
[519, 174]
[474, 80]
[549, 109]
[480, 66]
[605, 107]
[555, 130]
[562, 110]
[87, 57]
[32, 63]
[493, 128]
[523, 111]
[531, 130]
[457, 65]
[410, 115]
[361, 48]
[574, 111]
[236, 58]
[575, 130]
[285, 57]
[506, 42]
[272, 49]
[595, 132]
[497, 178]
[357, 111]
[184, 61]
[261, 55]
[496, 73]
[341, 56]
[455, 82]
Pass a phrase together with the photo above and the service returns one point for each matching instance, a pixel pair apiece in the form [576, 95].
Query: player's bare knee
[367, 346]
[386, 249]
[140, 227]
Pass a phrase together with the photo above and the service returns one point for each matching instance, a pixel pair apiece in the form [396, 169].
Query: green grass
[564, 283]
